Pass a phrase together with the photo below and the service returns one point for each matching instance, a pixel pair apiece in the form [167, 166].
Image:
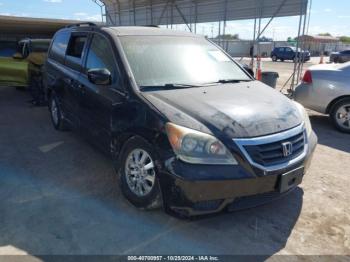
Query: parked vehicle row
[186, 127]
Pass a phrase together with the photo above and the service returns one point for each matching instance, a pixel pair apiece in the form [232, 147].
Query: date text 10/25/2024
[173, 258]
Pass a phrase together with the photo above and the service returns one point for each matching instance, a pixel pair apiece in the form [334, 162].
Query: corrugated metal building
[318, 44]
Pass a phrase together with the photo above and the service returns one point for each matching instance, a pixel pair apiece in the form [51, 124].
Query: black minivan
[187, 127]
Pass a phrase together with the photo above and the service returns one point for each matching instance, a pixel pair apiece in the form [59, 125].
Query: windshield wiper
[229, 81]
[168, 86]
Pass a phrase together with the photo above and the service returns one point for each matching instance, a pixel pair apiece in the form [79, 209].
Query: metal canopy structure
[192, 12]
[166, 12]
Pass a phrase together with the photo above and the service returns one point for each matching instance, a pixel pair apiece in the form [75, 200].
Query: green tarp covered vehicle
[13, 72]
[17, 69]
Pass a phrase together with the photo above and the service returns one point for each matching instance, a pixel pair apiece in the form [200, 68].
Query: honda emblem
[287, 149]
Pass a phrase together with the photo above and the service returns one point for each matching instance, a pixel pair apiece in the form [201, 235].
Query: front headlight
[198, 148]
[306, 118]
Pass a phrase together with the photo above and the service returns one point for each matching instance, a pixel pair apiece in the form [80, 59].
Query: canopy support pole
[106, 14]
[252, 64]
[273, 17]
[306, 25]
[134, 11]
[183, 17]
[119, 15]
[195, 16]
[151, 7]
[296, 61]
[163, 12]
[258, 70]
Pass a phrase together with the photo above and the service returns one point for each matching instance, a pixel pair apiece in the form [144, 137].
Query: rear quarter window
[38, 46]
[59, 46]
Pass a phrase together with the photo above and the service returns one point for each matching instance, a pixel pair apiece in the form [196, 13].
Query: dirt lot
[59, 195]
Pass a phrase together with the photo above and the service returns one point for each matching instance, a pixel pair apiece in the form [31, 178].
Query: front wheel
[340, 115]
[139, 175]
[274, 58]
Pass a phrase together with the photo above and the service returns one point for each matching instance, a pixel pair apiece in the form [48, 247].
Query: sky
[325, 17]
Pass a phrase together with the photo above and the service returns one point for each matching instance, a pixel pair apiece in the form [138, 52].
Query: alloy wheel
[140, 172]
[343, 116]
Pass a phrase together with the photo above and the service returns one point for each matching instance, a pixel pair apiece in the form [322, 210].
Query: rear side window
[59, 46]
[76, 46]
[101, 56]
[40, 46]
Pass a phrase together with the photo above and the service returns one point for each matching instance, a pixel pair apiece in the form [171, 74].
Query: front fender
[137, 119]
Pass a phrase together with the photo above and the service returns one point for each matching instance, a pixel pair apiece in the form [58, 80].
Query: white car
[326, 89]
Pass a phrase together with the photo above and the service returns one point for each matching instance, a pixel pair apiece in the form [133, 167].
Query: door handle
[69, 81]
[81, 88]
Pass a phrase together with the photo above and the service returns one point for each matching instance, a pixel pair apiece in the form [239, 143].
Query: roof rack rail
[81, 24]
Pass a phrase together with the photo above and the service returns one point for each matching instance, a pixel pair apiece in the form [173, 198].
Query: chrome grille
[267, 152]
[272, 153]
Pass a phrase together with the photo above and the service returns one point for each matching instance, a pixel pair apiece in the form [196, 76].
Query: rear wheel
[340, 115]
[139, 175]
[274, 58]
[56, 113]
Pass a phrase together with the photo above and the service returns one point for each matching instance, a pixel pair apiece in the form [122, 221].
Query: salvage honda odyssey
[187, 127]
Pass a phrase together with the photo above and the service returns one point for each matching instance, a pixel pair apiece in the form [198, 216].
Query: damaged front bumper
[190, 190]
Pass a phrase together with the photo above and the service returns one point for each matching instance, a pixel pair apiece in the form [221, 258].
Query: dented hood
[247, 109]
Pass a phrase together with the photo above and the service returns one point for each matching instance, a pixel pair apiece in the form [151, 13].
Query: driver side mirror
[17, 56]
[100, 76]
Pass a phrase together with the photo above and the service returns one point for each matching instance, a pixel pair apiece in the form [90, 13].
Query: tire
[56, 114]
[141, 192]
[282, 60]
[274, 58]
[340, 115]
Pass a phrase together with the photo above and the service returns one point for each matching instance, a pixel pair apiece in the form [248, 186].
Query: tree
[265, 39]
[324, 34]
[291, 40]
[345, 39]
[228, 37]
